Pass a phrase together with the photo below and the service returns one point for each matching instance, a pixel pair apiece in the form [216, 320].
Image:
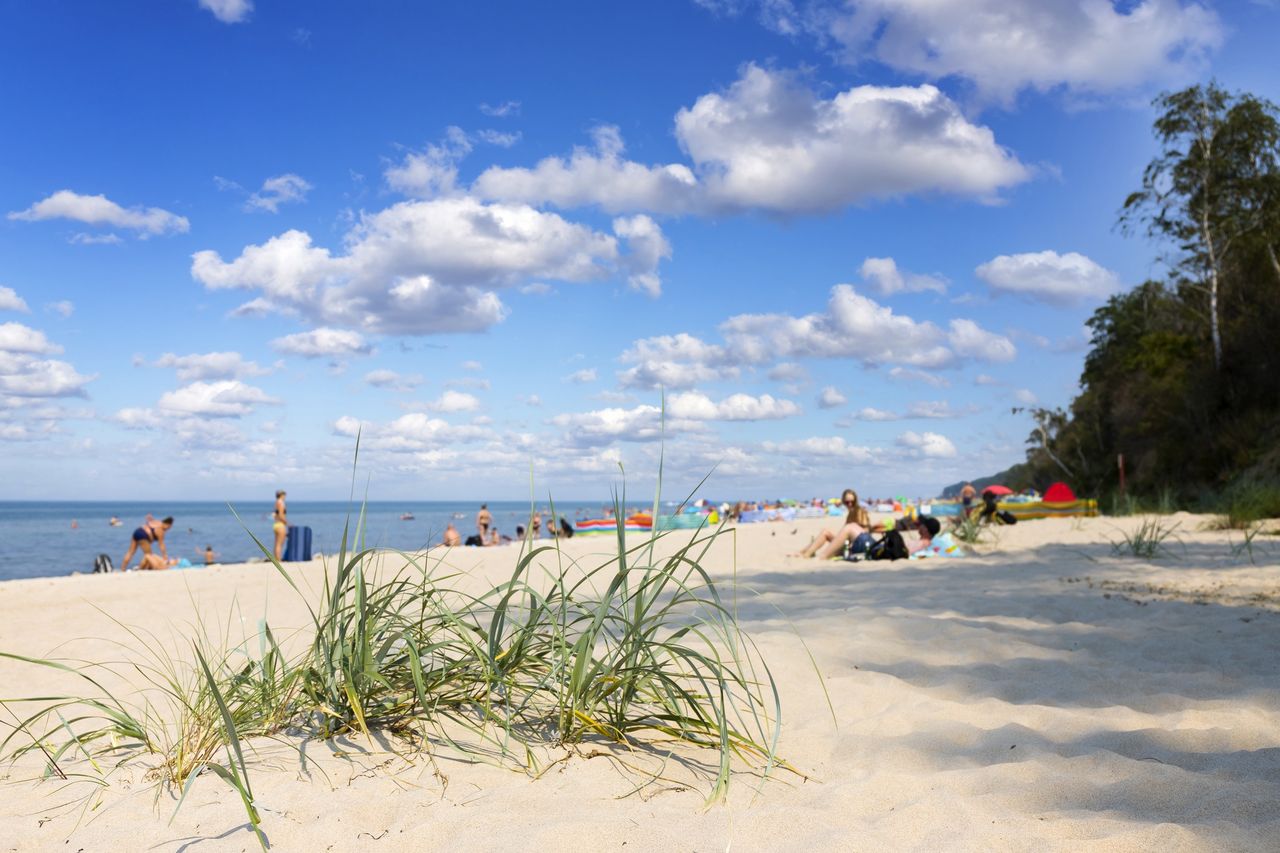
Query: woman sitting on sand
[154, 562]
[856, 522]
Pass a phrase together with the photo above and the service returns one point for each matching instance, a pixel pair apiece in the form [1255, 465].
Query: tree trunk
[1214, 331]
[1275, 264]
[1044, 444]
[1206, 234]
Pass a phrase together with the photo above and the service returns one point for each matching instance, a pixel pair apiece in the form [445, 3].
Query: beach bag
[859, 547]
[1007, 517]
[890, 546]
[474, 541]
[102, 564]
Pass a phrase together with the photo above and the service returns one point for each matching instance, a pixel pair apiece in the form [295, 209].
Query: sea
[53, 538]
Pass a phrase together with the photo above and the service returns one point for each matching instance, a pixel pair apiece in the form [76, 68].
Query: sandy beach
[1042, 694]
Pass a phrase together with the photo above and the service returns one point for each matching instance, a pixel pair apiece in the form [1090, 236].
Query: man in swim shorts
[280, 524]
[484, 520]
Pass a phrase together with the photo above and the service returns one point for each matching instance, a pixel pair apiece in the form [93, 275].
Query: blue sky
[845, 238]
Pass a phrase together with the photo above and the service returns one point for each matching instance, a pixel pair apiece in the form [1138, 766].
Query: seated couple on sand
[856, 532]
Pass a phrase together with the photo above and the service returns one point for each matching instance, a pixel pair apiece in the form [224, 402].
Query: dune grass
[970, 530]
[1246, 505]
[635, 649]
[1147, 541]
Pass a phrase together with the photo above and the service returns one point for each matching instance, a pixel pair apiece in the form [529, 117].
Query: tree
[1212, 187]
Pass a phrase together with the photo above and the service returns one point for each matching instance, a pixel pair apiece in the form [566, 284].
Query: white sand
[1046, 695]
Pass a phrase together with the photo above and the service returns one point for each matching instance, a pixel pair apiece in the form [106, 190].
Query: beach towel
[943, 545]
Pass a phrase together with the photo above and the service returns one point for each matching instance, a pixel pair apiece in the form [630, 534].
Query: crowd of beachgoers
[855, 536]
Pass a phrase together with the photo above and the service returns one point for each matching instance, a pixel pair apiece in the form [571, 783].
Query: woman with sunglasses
[856, 522]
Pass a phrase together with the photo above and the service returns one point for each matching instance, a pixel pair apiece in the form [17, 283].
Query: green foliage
[1183, 376]
[1246, 504]
[970, 530]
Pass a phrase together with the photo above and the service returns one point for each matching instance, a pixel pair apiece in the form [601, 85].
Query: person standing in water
[280, 524]
[150, 531]
[484, 520]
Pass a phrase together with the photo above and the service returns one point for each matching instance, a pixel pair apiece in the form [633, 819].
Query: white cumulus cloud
[883, 274]
[604, 426]
[970, 340]
[769, 142]
[1050, 277]
[392, 380]
[24, 375]
[229, 11]
[281, 189]
[228, 398]
[424, 267]
[648, 248]
[17, 338]
[693, 405]
[11, 301]
[100, 210]
[455, 401]
[856, 327]
[210, 365]
[830, 398]
[415, 432]
[1086, 46]
[322, 343]
[870, 413]
[821, 449]
[433, 171]
[929, 445]
[599, 175]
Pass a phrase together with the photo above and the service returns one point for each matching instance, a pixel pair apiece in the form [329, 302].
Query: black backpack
[102, 564]
[890, 546]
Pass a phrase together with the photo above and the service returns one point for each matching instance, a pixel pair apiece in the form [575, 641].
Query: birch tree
[1207, 191]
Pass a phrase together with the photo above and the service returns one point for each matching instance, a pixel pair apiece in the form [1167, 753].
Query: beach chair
[297, 547]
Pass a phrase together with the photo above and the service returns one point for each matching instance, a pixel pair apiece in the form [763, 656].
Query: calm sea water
[37, 540]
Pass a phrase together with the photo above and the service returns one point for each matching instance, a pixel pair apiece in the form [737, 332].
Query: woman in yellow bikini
[280, 527]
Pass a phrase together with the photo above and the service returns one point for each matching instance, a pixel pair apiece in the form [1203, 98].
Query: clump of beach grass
[971, 530]
[636, 649]
[1148, 540]
[1246, 505]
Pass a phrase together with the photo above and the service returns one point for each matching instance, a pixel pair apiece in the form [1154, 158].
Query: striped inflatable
[1087, 508]
[641, 522]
